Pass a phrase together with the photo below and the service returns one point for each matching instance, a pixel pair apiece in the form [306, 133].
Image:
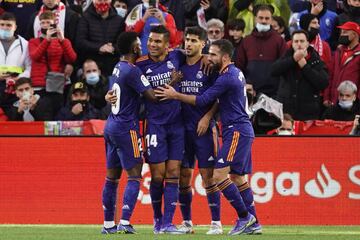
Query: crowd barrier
[96, 127]
[296, 180]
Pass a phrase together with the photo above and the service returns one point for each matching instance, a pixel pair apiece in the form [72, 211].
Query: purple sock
[130, 196]
[185, 199]
[213, 197]
[231, 193]
[156, 192]
[171, 194]
[109, 198]
[248, 197]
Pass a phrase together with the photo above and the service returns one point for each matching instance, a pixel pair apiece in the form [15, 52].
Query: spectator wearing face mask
[79, 107]
[303, 77]
[96, 83]
[346, 62]
[121, 7]
[259, 51]
[14, 59]
[287, 126]
[29, 106]
[310, 23]
[347, 106]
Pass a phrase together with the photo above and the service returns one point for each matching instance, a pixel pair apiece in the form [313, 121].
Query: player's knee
[172, 172]
[219, 176]
[113, 173]
[157, 178]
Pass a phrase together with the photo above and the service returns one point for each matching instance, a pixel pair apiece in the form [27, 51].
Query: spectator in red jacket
[143, 16]
[346, 62]
[49, 53]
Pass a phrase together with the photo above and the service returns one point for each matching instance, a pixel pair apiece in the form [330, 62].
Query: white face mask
[121, 12]
[262, 27]
[345, 104]
[285, 133]
[146, 5]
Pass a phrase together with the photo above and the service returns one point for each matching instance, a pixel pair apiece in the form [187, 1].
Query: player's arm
[150, 95]
[204, 122]
[167, 92]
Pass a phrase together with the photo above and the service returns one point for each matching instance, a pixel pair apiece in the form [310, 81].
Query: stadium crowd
[48, 46]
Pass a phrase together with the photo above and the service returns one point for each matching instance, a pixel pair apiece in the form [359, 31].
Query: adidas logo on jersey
[211, 159]
[149, 70]
[126, 207]
[221, 160]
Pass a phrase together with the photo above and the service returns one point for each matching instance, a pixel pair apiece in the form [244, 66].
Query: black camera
[54, 27]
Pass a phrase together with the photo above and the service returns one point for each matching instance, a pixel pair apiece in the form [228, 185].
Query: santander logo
[323, 186]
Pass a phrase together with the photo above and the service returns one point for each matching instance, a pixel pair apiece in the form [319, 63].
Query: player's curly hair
[125, 42]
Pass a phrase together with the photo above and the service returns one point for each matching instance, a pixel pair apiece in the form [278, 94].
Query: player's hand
[205, 65]
[77, 109]
[203, 125]
[165, 93]
[110, 97]
[176, 77]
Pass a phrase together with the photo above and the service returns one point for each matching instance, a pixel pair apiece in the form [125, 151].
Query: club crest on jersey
[199, 75]
[170, 65]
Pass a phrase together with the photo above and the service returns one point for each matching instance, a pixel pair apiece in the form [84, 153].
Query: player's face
[299, 42]
[193, 45]
[157, 44]
[215, 57]
[137, 47]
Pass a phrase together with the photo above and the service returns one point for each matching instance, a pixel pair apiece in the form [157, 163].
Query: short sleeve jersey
[128, 83]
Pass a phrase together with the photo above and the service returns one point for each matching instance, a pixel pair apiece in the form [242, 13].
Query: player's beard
[216, 66]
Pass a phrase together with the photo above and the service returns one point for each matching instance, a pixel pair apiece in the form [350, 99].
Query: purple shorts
[123, 150]
[203, 148]
[164, 142]
[235, 152]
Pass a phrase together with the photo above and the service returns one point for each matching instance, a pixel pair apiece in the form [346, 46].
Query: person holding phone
[50, 52]
[147, 14]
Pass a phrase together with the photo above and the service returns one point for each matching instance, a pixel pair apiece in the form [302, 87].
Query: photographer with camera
[29, 106]
[146, 15]
[356, 127]
[50, 53]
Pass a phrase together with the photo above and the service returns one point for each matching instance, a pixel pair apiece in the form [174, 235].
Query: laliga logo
[323, 186]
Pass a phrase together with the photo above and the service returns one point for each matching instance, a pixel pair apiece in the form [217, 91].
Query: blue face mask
[92, 78]
[121, 12]
[6, 34]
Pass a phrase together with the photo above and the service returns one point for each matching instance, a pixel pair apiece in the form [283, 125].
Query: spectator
[278, 24]
[65, 18]
[144, 16]
[14, 59]
[351, 12]
[121, 7]
[303, 76]
[79, 107]
[177, 9]
[235, 34]
[29, 106]
[215, 30]
[356, 126]
[310, 23]
[210, 8]
[287, 126]
[23, 12]
[347, 106]
[258, 51]
[97, 32]
[327, 18]
[346, 62]
[49, 54]
[96, 83]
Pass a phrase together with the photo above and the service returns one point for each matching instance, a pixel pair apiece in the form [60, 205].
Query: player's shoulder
[143, 59]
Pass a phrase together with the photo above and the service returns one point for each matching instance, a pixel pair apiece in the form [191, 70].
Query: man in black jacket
[30, 107]
[303, 76]
[97, 32]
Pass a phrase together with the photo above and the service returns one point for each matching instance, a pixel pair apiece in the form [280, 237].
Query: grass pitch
[89, 232]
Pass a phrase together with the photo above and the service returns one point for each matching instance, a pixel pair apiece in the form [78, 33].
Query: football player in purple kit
[235, 155]
[121, 133]
[164, 130]
[200, 133]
